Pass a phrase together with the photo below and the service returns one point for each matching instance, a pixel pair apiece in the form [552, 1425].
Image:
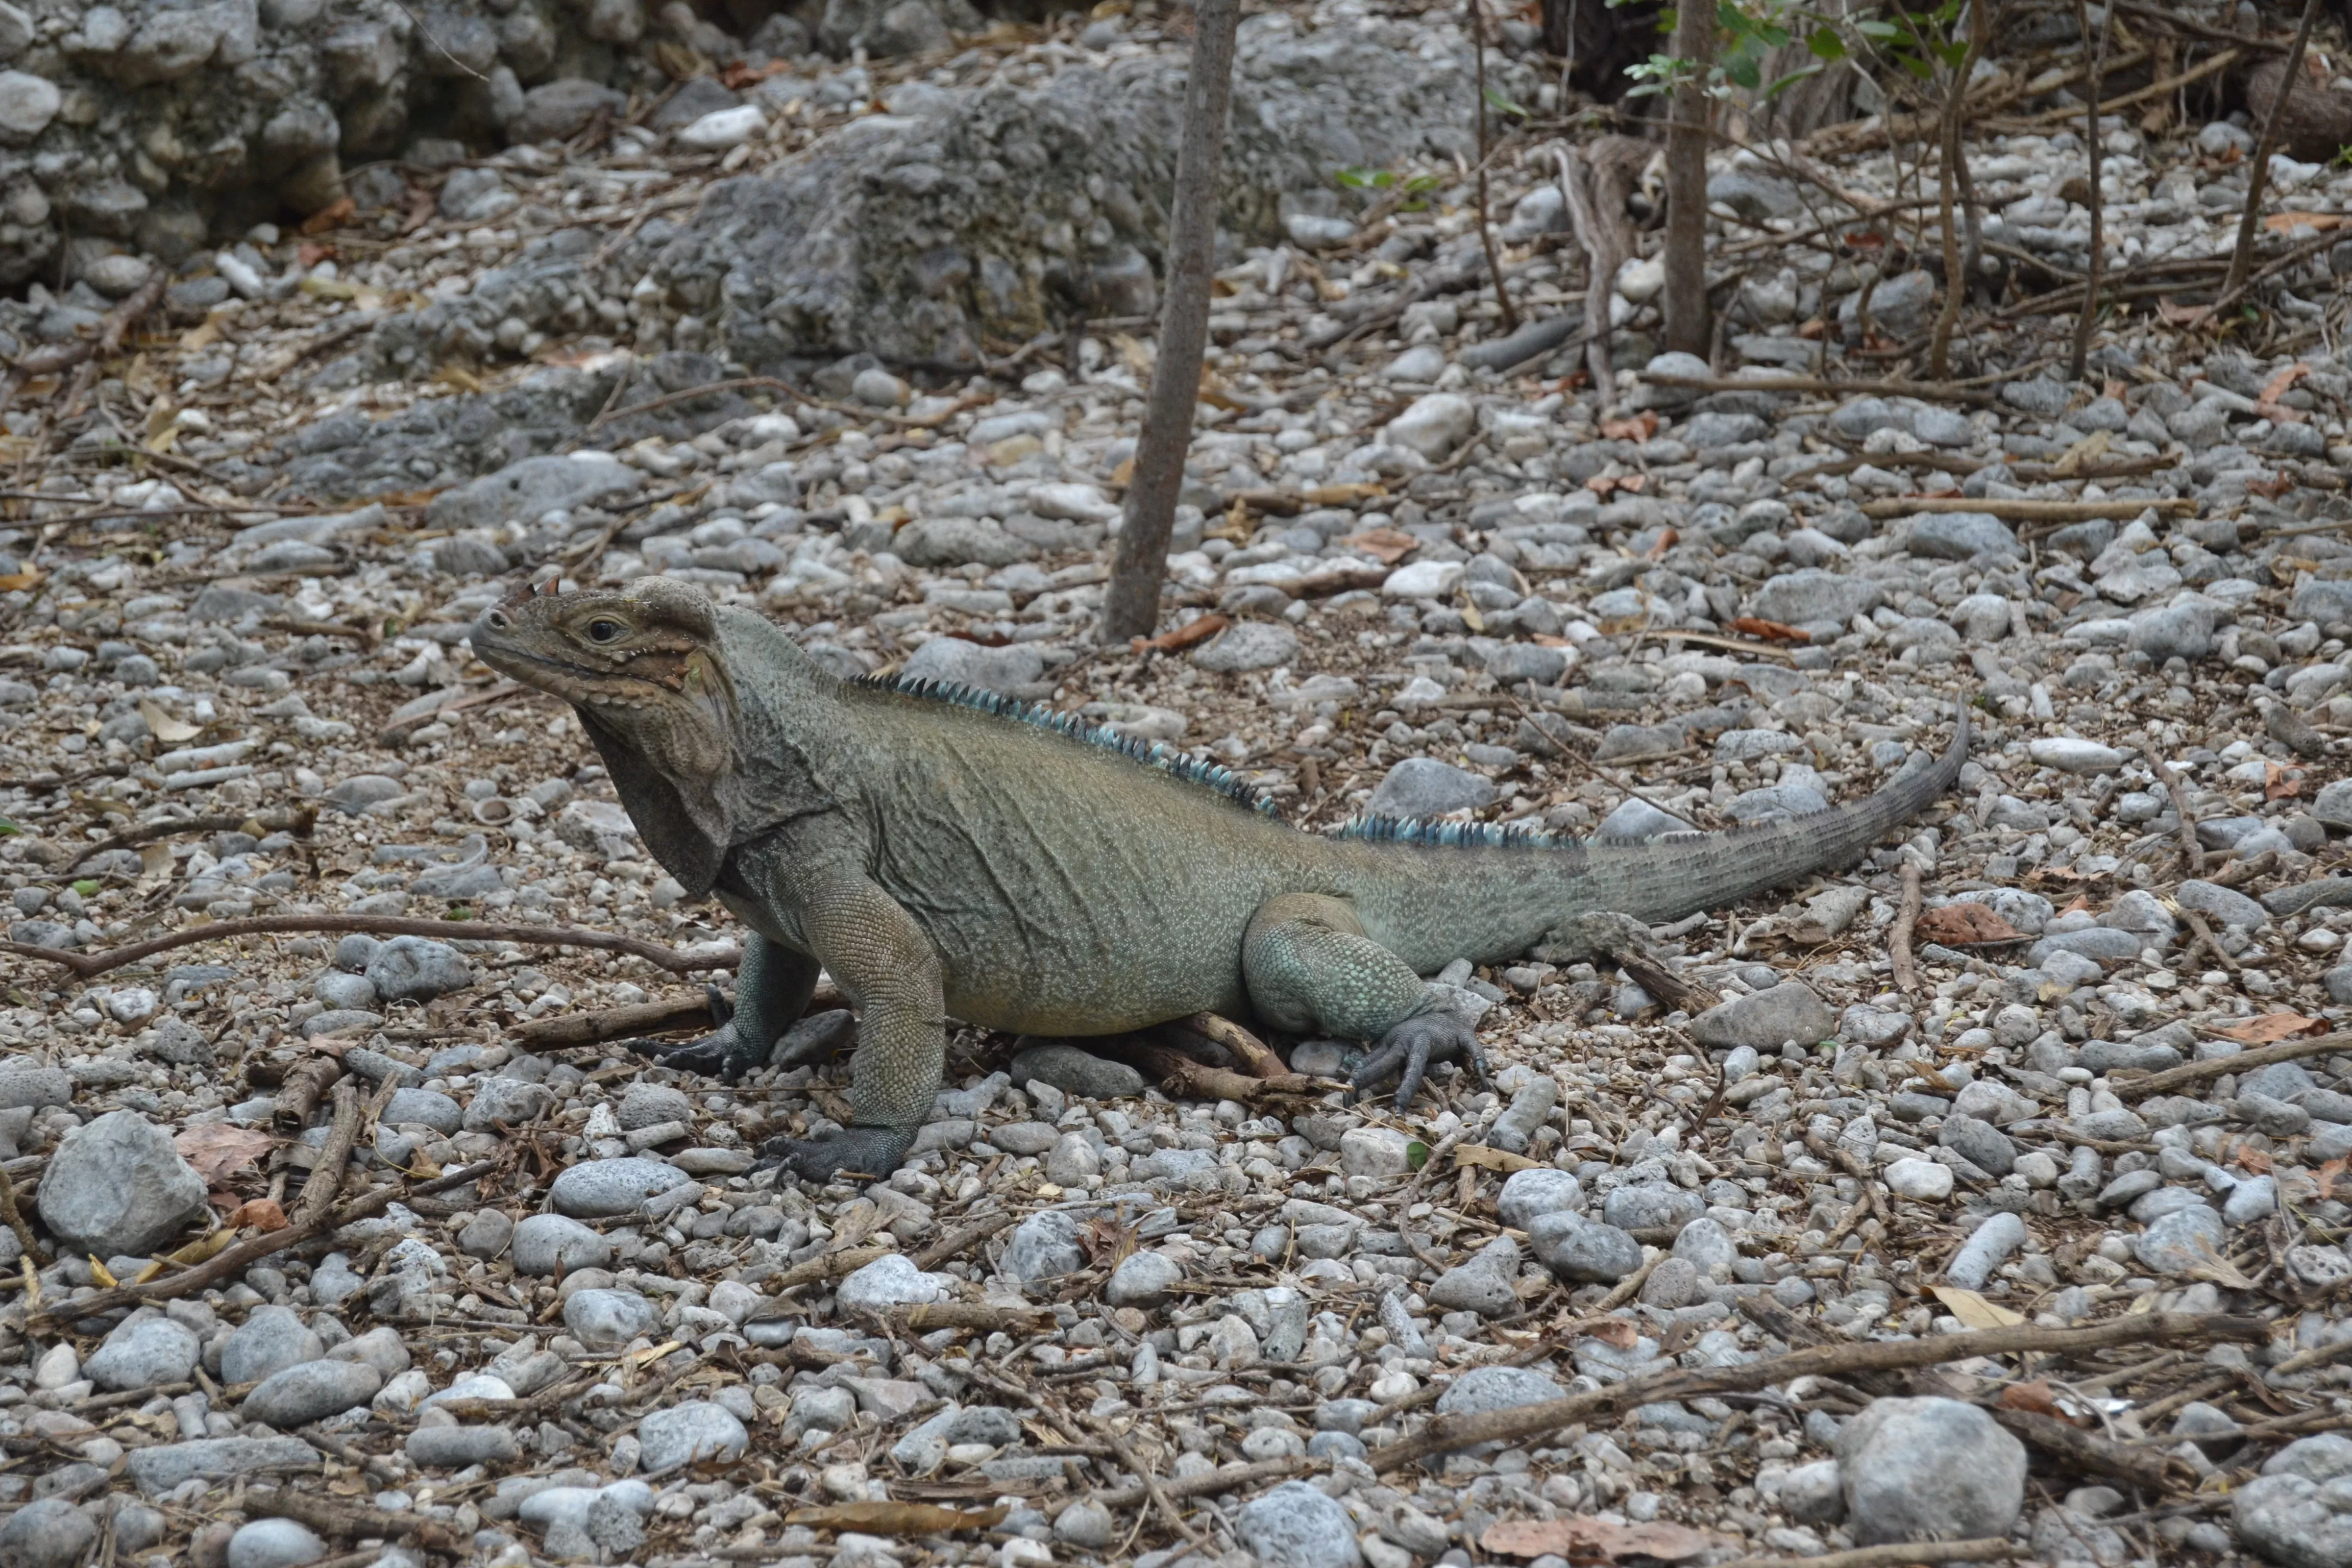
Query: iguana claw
[871, 1153]
[723, 1053]
[1412, 1045]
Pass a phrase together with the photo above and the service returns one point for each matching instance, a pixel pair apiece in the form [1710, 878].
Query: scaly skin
[940, 861]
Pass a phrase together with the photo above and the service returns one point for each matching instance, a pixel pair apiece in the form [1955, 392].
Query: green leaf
[1502, 105]
[1826, 44]
[88, 887]
[1921, 68]
[1773, 35]
[1743, 72]
[1883, 31]
[1789, 80]
[1416, 1154]
[8, 829]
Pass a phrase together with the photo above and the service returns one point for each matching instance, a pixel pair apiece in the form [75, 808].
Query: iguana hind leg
[772, 987]
[1310, 969]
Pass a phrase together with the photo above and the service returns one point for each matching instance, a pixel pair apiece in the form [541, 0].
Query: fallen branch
[1225, 1478]
[299, 1094]
[824, 1269]
[15, 1215]
[51, 359]
[236, 1259]
[87, 966]
[326, 1177]
[1899, 1555]
[299, 823]
[2189, 1073]
[1907, 920]
[351, 1520]
[1255, 1054]
[957, 1242]
[2258, 167]
[612, 1024]
[1519, 1423]
[1927, 391]
[2150, 1469]
[923, 1319]
[2029, 511]
[1196, 1080]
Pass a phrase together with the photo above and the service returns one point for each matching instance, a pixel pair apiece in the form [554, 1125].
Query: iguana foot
[725, 1052]
[870, 1152]
[1412, 1045]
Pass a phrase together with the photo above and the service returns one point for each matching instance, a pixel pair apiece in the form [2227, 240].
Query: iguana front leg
[886, 965]
[772, 988]
[1310, 969]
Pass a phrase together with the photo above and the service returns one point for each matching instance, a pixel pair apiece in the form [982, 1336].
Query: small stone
[116, 1187]
[423, 1108]
[1076, 1071]
[1582, 1251]
[725, 128]
[147, 1349]
[1767, 1020]
[1987, 1248]
[608, 1319]
[1433, 426]
[486, 1234]
[1527, 1196]
[1929, 1469]
[2294, 1512]
[274, 1543]
[2069, 755]
[1959, 536]
[27, 104]
[503, 1103]
[957, 662]
[160, 1468]
[1381, 1154]
[1143, 1279]
[1296, 1525]
[545, 1242]
[1084, 1523]
[1484, 1388]
[311, 1392]
[684, 1433]
[417, 969]
[51, 1532]
[1423, 786]
[1980, 1143]
[608, 1189]
[1923, 1180]
[2224, 906]
[1652, 1205]
[456, 1447]
[1248, 644]
[1045, 1247]
[1482, 1285]
[2184, 1239]
[891, 1281]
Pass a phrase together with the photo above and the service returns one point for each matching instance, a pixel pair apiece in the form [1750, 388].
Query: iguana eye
[605, 631]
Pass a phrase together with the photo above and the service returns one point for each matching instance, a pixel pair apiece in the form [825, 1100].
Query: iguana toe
[721, 1054]
[1411, 1046]
[871, 1153]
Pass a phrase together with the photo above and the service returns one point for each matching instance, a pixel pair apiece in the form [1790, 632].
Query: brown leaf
[894, 1518]
[15, 582]
[2273, 1027]
[1640, 427]
[1768, 631]
[1614, 1333]
[2276, 785]
[1386, 545]
[2034, 1396]
[2257, 1160]
[1964, 924]
[215, 1150]
[261, 1214]
[2288, 222]
[1973, 1311]
[1199, 629]
[1582, 1536]
[333, 215]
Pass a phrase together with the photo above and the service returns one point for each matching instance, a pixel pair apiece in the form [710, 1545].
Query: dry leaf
[2288, 222]
[1349, 494]
[894, 1518]
[215, 1150]
[1966, 924]
[1487, 1159]
[165, 728]
[2268, 404]
[1767, 631]
[1583, 1537]
[1973, 1311]
[17, 582]
[1124, 475]
[1199, 629]
[1614, 1333]
[2256, 1161]
[1640, 427]
[2034, 1396]
[101, 1273]
[1386, 545]
[333, 215]
[261, 1214]
[2273, 1027]
[155, 860]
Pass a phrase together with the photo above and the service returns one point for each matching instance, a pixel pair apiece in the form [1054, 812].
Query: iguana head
[642, 669]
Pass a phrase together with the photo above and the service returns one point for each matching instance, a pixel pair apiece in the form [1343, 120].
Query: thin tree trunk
[1132, 606]
[1687, 327]
[2097, 151]
[2242, 257]
[1486, 218]
[1953, 158]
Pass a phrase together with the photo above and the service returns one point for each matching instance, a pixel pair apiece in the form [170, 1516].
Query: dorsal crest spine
[1152, 754]
[1444, 834]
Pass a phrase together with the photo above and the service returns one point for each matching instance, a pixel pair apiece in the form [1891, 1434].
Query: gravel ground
[2057, 1061]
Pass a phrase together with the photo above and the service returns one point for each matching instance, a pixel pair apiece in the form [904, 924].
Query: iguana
[944, 852]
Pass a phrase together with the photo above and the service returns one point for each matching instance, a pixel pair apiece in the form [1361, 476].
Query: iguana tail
[1433, 891]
